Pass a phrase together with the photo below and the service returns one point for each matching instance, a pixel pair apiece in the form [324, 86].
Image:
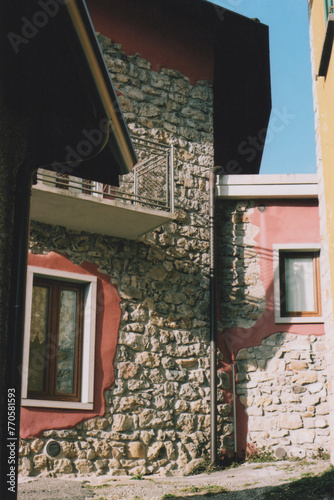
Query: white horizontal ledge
[69, 405]
[267, 186]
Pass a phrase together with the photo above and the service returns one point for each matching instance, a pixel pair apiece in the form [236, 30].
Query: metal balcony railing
[150, 184]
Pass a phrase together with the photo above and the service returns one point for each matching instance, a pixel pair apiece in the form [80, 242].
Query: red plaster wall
[182, 41]
[36, 420]
[282, 222]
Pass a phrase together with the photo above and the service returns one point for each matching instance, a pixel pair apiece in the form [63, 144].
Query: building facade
[278, 354]
[118, 381]
[150, 411]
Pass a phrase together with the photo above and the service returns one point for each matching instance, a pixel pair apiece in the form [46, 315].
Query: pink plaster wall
[36, 420]
[282, 222]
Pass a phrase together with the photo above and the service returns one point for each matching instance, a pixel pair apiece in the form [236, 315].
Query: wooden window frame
[314, 255]
[280, 252]
[84, 399]
[50, 371]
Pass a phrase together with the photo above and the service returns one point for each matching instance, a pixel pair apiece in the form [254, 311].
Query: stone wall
[282, 385]
[162, 105]
[157, 416]
[241, 292]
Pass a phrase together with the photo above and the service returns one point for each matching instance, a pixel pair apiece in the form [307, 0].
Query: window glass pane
[299, 284]
[66, 341]
[38, 338]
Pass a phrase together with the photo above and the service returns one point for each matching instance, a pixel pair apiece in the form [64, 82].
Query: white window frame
[88, 341]
[307, 247]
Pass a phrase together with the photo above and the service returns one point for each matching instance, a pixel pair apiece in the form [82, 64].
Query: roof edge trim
[124, 145]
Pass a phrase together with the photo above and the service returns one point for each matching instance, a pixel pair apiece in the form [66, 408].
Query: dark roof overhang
[54, 77]
[241, 86]
[242, 93]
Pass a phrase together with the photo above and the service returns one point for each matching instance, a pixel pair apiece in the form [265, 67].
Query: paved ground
[246, 482]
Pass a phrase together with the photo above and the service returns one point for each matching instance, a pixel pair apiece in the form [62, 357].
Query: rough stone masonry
[157, 414]
[157, 417]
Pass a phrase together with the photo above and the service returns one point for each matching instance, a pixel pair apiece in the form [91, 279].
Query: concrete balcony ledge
[143, 201]
[86, 212]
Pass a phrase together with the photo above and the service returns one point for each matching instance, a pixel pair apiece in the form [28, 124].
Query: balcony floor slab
[85, 212]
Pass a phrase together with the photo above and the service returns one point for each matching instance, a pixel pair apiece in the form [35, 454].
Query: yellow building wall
[324, 121]
[325, 95]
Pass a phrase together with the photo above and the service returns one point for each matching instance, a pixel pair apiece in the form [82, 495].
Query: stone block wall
[282, 385]
[157, 413]
[157, 417]
[162, 105]
[242, 295]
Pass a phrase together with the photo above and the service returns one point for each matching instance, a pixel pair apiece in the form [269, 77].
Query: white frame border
[311, 247]
[88, 346]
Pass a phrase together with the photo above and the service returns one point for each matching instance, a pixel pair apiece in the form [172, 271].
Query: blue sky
[291, 150]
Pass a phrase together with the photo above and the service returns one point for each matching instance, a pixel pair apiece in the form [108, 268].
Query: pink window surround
[108, 314]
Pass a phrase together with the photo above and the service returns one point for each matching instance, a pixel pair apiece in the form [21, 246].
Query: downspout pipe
[214, 171]
[235, 442]
[17, 291]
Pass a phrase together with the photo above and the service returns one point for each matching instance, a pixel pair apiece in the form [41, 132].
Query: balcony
[143, 201]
